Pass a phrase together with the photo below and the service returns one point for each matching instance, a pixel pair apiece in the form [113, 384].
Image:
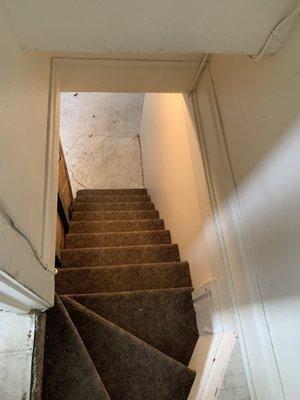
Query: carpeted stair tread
[117, 239]
[113, 206]
[123, 278]
[163, 318]
[113, 198]
[129, 368]
[139, 191]
[69, 373]
[114, 215]
[116, 226]
[126, 326]
[96, 257]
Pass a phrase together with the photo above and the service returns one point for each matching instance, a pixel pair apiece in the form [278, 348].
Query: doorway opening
[172, 148]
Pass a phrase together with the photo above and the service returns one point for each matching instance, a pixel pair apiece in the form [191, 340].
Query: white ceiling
[145, 26]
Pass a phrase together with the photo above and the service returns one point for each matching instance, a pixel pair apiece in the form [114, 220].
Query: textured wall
[99, 132]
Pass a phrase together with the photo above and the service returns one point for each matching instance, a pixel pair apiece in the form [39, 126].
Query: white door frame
[51, 170]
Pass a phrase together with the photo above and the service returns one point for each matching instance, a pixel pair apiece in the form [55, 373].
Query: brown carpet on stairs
[147, 313]
[126, 327]
[117, 239]
[113, 206]
[69, 372]
[117, 278]
[94, 257]
[96, 198]
[114, 215]
[129, 368]
[117, 226]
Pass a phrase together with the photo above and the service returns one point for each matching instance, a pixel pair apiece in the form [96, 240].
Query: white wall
[175, 178]
[24, 86]
[259, 105]
[169, 177]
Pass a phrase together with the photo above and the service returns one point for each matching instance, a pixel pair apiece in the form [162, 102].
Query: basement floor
[100, 137]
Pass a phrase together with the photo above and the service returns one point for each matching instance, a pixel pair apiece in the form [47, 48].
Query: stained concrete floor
[16, 349]
[100, 137]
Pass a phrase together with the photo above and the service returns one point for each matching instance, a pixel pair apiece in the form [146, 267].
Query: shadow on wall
[100, 136]
[259, 107]
[269, 196]
[272, 189]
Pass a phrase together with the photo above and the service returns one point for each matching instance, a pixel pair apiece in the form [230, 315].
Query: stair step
[66, 360]
[129, 368]
[113, 206]
[84, 240]
[135, 191]
[124, 327]
[113, 199]
[122, 278]
[114, 215]
[116, 226]
[154, 316]
[95, 257]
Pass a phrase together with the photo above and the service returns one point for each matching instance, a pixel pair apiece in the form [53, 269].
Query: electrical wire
[274, 33]
[7, 217]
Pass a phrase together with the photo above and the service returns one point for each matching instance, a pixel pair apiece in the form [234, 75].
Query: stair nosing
[163, 263]
[182, 289]
[113, 211]
[118, 202]
[108, 194]
[116, 239]
[112, 195]
[155, 216]
[82, 191]
[116, 220]
[85, 249]
[121, 202]
[112, 233]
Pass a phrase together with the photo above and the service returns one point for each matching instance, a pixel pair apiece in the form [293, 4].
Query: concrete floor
[100, 137]
[16, 348]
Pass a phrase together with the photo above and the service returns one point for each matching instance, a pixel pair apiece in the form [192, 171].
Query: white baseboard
[214, 347]
[14, 297]
[210, 360]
